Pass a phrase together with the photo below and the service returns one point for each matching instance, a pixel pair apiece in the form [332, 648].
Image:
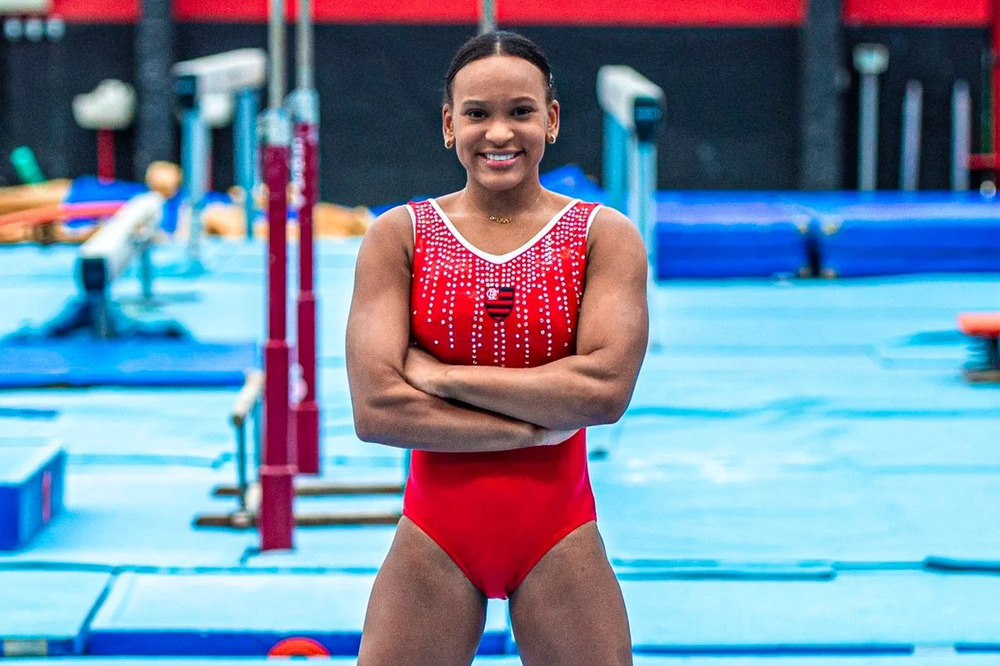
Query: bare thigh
[569, 609]
[423, 610]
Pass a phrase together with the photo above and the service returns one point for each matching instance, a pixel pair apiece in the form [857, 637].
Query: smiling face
[499, 118]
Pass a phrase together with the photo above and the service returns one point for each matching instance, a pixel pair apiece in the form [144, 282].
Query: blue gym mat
[859, 239]
[722, 240]
[46, 612]
[815, 434]
[158, 614]
[80, 362]
[937, 658]
[859, 612]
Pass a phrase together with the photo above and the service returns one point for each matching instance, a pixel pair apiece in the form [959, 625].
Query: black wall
[731, 117]
[936, 58]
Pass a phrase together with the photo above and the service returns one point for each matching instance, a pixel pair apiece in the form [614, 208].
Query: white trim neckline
[501, 258]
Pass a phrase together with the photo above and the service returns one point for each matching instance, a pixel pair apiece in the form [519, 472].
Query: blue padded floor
[47, 612]
[161, 614]
[80, 363]
[937, 658]
[783, 433]
[855, 612]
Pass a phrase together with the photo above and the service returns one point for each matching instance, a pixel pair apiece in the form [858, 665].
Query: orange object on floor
[980, 324]
[298, 647]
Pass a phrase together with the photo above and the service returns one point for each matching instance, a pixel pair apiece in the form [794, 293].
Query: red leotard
[496, 514]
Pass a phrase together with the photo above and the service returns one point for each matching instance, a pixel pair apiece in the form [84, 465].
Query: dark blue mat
[31, 490]
[731, 239]
[861, 239]
[78, 363]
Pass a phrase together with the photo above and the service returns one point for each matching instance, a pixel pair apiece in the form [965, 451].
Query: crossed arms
[404, 397]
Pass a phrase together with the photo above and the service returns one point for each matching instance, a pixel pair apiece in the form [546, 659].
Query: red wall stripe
[97, 11]
[918, 12]
[652, 12]
[562, 12]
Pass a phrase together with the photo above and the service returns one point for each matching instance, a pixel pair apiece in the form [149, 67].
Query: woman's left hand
[424, 372]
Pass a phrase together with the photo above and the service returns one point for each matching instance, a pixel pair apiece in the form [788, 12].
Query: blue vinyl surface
[49, 607]
[31, 489]
[79, 362]
[875, 612]
[167, 614]
[720, 240]
[811, 441]
[926, 237]
[934, 658]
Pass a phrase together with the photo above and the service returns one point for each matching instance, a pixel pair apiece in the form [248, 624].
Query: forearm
[574, 392]
[405, 417]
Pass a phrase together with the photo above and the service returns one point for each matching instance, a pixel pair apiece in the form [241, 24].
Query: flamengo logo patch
[499, 301]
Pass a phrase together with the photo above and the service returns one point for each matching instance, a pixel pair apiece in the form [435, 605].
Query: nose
[499, 132]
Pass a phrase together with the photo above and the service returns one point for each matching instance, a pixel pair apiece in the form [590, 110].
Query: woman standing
[488, 329]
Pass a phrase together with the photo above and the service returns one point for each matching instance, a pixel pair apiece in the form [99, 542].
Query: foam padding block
[857, 613]
[730, 239]
[45, 612]
[77, 363]
[31, 490]
[897, 238]
[242, 614]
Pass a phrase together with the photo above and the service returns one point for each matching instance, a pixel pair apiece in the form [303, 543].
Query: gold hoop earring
[449, 144]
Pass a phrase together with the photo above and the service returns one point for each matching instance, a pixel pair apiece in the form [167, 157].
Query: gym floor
[803, 478]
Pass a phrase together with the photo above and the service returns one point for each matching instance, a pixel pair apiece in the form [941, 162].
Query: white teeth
[496, 157]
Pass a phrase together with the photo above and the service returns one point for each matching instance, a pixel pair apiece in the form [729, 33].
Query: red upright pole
[277, 469]
[307, 409]
[276, 518]
[105, 155]
[305, 103]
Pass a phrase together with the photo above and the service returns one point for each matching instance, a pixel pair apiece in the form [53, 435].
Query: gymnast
[488, 328]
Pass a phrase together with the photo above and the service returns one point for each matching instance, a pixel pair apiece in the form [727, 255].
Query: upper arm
[614, 318]
[378, 326]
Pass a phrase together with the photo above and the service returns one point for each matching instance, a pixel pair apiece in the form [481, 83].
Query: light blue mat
[856, 612]
[46, 612]
[242, 614]
[938, 658]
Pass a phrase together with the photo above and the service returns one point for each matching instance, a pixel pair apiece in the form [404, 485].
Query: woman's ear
[552, 122]
[447, 126]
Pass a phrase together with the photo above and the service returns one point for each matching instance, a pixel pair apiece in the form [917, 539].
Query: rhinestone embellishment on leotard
[517, 310]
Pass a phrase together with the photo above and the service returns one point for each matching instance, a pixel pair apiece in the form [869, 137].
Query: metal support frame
[633, 114]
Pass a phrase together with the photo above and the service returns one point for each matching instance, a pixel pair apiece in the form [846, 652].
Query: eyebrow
[516, 100]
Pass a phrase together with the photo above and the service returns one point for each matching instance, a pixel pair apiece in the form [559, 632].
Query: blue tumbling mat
[78, 363]
[939, 658]
[243, 614]
[896, 237]
[884, 612]
[730, 239]
[46, 612]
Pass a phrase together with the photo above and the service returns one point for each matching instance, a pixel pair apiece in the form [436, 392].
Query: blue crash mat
[861, 239]
[31, 490]
[876, 613]
[730, 239]
[242, 614]
[45, 612]
[124, 363]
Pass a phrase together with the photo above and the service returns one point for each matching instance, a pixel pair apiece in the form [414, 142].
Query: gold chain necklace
[499, 219]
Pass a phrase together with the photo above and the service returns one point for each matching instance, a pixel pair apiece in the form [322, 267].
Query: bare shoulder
[612, 228]
[393, 229]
